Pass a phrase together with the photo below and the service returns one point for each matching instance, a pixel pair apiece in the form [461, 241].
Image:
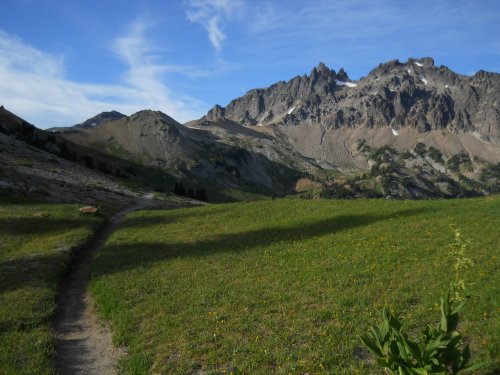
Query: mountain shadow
[139, 254]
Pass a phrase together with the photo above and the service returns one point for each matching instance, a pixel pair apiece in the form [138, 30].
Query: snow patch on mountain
[348, 84]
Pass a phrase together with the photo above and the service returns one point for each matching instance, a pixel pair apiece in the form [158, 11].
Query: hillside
[42, 165]
[222, 156]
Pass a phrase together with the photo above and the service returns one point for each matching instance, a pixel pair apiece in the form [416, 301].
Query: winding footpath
[84, 345]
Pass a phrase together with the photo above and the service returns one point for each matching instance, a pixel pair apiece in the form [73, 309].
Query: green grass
[35, 247]
[245, 196]
[286, 286]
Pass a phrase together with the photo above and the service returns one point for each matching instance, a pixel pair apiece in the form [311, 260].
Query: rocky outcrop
[284, 101]
[414, 94]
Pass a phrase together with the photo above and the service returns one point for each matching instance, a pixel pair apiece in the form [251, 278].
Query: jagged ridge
[414, 94]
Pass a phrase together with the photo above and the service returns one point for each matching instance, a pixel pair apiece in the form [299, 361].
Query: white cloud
[33, 84]
[12, 49]
[210, 14]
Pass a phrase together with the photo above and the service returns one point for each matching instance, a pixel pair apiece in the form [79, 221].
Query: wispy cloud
[146, 74]
[34, 84]
[335, 19]
[211, 14]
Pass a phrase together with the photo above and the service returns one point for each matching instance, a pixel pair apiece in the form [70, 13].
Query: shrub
[435, 155]
[440, 349]
[102, 167]
[201, 195]
[420, 149]
[130, 170]
[454, 162]
[383, 154]
[406, 155]
[492, 171]
[26, 163]
[179, 189]
[337, 190]
[88, 162]
[363, 146]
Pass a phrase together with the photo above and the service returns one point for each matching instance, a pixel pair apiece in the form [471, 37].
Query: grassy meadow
[286, 286]
[35, 248]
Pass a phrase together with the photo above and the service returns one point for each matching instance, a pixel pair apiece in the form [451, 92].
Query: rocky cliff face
[324, 114]
[414, 94]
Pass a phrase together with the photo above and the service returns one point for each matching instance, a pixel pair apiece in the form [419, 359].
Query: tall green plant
[462, 263]
[440, 350]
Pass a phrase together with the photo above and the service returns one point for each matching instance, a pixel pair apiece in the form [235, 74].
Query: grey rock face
[414, 94]
[284, 101]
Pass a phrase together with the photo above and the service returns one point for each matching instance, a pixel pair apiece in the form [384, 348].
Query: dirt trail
[84, 345]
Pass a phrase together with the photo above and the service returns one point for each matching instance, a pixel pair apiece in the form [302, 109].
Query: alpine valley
[406, 130]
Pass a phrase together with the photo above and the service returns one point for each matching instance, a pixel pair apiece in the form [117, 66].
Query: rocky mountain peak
[150, 116]
[97, 120]
[413, 94]
[329, 74]
[321, 71]
[216, 112]
[396, 67]
[427, 62]
[101, 118]
[282, 99]
[322, 67]
[342, 75]
[385, 68]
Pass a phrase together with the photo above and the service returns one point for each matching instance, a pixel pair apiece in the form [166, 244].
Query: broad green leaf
[444, 318]
[384, 328]
[371, 345]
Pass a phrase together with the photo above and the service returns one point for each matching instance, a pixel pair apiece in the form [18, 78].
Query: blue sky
[63, 61]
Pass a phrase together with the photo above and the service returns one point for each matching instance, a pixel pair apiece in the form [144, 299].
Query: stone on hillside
[88, 210]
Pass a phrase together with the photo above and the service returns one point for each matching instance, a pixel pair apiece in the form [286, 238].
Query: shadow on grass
[149, 220]
[35, 271]
[38, 270]
[41, 225]
[115, 258]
